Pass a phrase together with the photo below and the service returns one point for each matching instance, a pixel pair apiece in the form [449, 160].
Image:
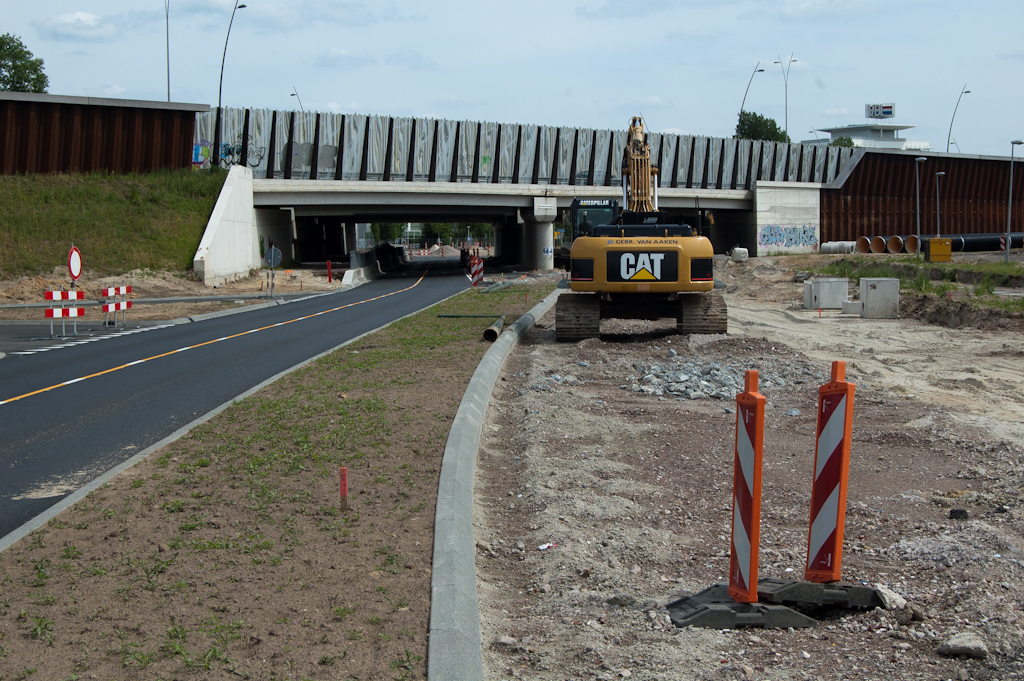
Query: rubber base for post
[713, 608]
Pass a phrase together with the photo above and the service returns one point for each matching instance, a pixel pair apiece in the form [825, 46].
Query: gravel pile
[695, 379]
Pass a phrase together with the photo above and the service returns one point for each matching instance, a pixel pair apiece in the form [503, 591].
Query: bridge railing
[326, 146]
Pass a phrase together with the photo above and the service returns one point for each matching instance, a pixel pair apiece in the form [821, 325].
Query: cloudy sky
[683, 64]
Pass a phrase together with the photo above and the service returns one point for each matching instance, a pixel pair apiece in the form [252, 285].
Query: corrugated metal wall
[358, 147]
[42, 134]
[878, 198]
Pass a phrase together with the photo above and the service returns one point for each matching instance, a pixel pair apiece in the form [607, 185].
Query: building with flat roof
[874, 135]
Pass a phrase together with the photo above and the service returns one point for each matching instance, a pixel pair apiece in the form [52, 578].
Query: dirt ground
[631, 489]
[629, 494]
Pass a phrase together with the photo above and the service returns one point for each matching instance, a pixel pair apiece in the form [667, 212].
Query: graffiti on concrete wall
[230, 154]
[778, 237]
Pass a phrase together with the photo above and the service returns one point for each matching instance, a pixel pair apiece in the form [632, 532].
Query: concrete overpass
[305, 179]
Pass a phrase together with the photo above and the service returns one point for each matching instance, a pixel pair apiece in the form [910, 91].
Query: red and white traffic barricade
[476, 270]
[831, 473]
[746, 492]
[60, 311]
[114, 305]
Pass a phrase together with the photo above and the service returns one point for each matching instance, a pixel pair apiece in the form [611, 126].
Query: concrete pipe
[863, 244]
[878, 244]
[838, 247]
[895, 244]
[912, 244]
[492, 332]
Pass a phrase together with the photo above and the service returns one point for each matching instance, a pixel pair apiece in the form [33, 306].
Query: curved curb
[454, 649]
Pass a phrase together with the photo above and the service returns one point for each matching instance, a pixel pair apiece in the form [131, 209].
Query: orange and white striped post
[746, 492]
[831, 472]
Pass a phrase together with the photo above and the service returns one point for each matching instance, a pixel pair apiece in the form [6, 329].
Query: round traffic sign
[75, 263]
[273, 256]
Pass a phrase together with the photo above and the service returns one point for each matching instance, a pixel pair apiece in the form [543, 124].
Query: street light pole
[295, 94]
[1009, 204]
[938, 231]
[963, 92]
[917, 177]
[785, 78]
[167, 18]
[220, 89]
[756, 70]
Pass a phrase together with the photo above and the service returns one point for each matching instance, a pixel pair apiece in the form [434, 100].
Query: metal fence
[307, 145]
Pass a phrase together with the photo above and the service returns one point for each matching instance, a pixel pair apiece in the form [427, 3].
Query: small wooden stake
[344, 489]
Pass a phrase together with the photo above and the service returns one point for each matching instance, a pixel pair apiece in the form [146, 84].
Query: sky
[684, 64]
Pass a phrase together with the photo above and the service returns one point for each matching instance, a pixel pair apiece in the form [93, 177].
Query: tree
[387, 231]
[843, 141]
[437, 231]
[752, 126]
[19, 70]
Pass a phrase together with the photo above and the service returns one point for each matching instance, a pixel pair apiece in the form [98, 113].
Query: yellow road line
[209, 342]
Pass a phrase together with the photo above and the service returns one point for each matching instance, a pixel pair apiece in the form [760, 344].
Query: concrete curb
[455, 649]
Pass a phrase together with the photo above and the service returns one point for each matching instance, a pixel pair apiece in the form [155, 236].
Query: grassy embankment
[938, 278]
[227, 551]
[118, 222]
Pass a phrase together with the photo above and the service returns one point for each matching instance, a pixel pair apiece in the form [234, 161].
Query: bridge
[309, 177]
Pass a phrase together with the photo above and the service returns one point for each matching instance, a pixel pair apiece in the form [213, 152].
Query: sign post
[273, 258]
[831, 473]
[746, 492]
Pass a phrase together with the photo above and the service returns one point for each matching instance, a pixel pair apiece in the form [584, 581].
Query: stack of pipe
[961, 243]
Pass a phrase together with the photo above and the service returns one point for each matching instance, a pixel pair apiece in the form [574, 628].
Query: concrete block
[881, 298]
[852, 307]
[826, 294]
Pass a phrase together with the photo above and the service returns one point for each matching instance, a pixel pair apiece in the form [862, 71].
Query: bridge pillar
[538, 244]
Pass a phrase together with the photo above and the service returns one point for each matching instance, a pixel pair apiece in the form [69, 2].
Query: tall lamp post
[1009, 205]
[167, 19]
[917, 177]
[963, 92]
[295, 94]
[756, 71]
[938, 231]
[785, 78]
[220, 89]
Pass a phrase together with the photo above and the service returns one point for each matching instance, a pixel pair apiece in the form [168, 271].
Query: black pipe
[970, 243]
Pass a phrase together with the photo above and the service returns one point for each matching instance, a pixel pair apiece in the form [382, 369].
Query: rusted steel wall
[878, 197]
[52, 134]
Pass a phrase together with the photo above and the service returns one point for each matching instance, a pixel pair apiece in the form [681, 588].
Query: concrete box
[826, 294]
[852, 307]
[881, 298]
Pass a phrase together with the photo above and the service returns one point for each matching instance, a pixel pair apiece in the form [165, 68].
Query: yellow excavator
[641, 265]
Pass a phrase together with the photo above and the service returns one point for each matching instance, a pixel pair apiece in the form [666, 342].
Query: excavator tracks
[702, 313]
[577, 317]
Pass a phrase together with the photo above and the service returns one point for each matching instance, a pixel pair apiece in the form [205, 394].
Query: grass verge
[227, 552]
[155, 220]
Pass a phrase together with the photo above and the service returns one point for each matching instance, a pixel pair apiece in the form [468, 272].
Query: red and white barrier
[117, 307]
[831, 473]
[476, 270]
[58, 312]
[746, 492]
[64, 295]
[111, 291]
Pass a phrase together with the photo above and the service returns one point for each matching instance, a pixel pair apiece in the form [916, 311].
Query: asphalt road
[68, 415]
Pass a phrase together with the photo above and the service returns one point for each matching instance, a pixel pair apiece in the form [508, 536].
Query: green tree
[437, 231]
[19, 70]
[753, 126]
[387, 231]
[843, 141]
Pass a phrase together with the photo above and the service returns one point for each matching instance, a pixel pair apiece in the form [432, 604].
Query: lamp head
[1017, 142]
[939, 173]
[919, 159]
[242, 6]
